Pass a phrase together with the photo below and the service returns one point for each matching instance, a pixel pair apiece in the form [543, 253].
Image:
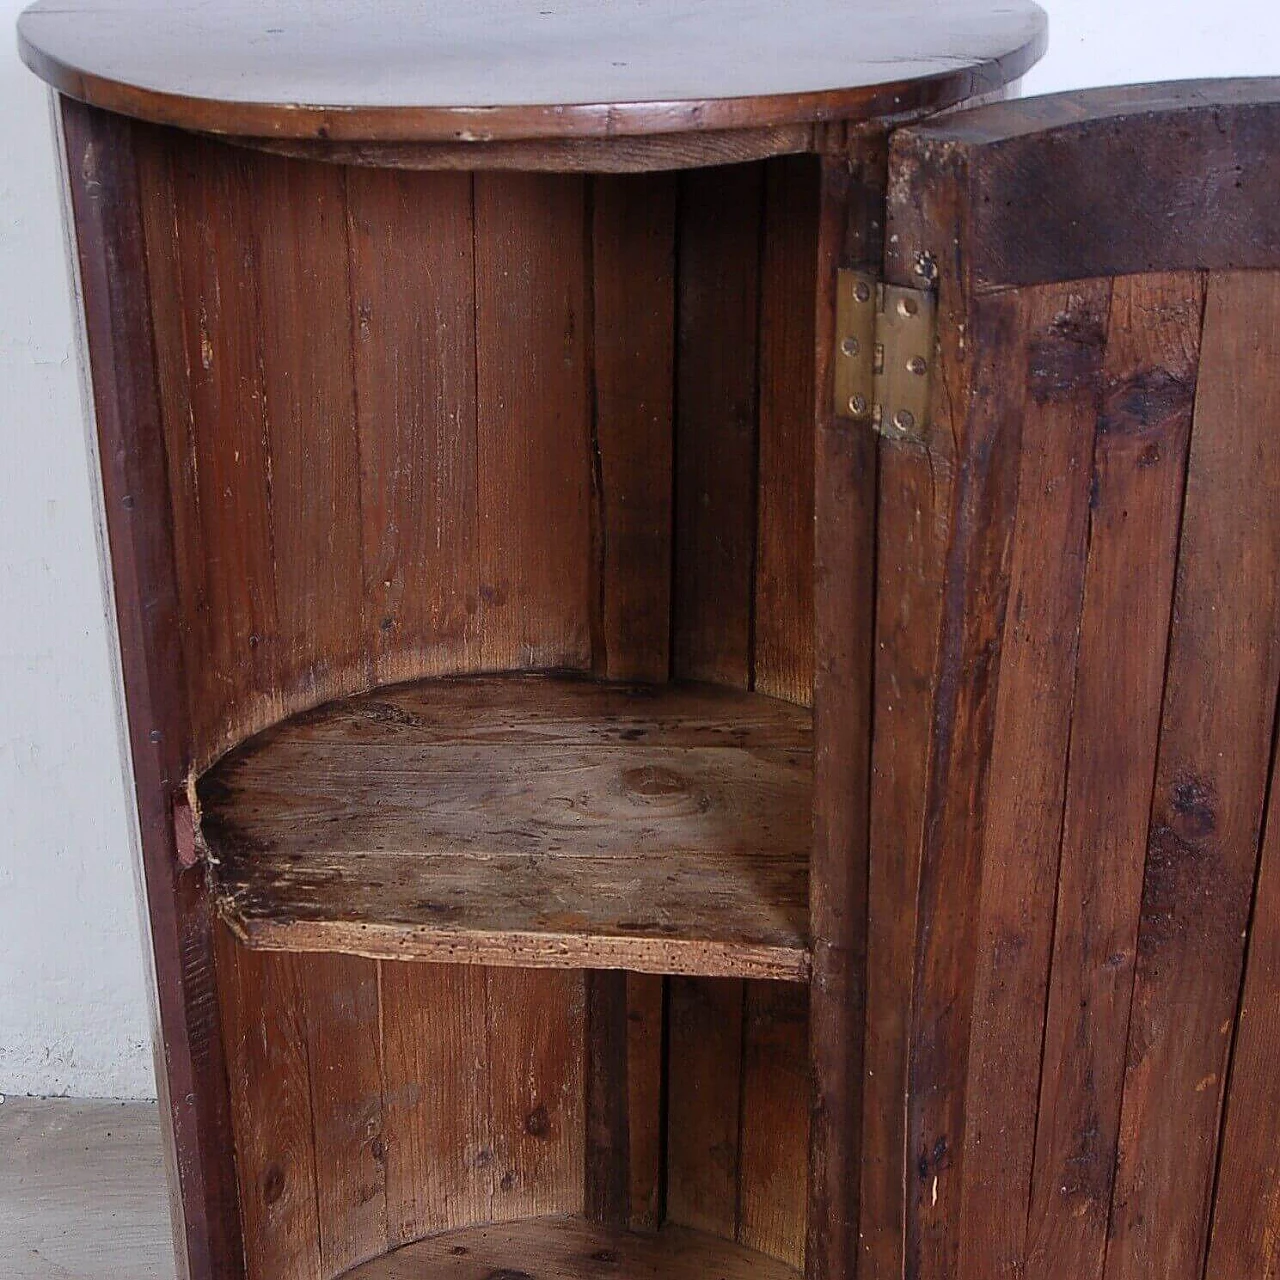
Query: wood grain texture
[1086, 184]
[567, 824]
[773, 1160]
[300, 260]
[571, 1249]
[1067, 329]
[704, 1104]
[533, 420]
[341, 1008]
[716, 424]
[267, 1060]
[849, 233]
[412, 325]
[129, 447]
[783, 632]
[1211, 779]
[1139, 469]
[437, 1121]
[1091, 763]
[476, 71]
[1246, 1214]
[653, 153]
[633, 283]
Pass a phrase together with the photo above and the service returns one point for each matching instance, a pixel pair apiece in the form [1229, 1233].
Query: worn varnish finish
[1085, 726]
[472, 72]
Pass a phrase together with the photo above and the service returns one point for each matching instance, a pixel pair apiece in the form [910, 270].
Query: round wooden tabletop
[479, 70]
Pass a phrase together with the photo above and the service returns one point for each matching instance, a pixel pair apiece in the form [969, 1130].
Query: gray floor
[82, 1192]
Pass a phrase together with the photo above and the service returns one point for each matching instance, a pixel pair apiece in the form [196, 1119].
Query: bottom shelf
[571, 1249]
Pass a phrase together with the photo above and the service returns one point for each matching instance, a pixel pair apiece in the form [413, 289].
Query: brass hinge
[885, 337]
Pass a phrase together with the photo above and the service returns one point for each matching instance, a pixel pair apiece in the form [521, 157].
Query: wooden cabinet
[701, 649]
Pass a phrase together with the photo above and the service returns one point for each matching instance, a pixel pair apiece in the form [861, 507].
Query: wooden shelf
[527, 820]
[572, 1249]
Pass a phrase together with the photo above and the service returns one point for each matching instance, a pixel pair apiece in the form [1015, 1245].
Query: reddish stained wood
[633, 258]
[264, 1013]
[704, 1099]
[305, 355]
[231, 615]
[413, 326]
[1065, 329]
[624, 1029]
[107, 200]
[986, 420]
[533, 421]
[773, 1180]
[1246, 1214]
[1150, 370]
[437, 1126]
[849, 233]
[715, 460]
[782, 637]
[535, 1044]
[341, 1002]
[1215, 743]
[646, 1043]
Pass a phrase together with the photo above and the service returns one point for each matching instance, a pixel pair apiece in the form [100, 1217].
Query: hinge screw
[918, 366]
[904, 420]
[926, 267]
[858, 406]
[850, 346]
[862, 291]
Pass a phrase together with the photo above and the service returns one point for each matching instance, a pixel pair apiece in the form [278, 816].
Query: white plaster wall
[73, 1012]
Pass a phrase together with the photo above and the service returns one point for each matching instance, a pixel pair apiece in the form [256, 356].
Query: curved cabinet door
[1074, 933]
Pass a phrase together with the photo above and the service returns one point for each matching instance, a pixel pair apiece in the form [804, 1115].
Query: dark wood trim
[851, 220]
[1110, 182]
[191, 1072]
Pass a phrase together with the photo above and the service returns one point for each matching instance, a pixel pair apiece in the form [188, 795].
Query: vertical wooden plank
[1067, 328]
[987, 421]
[773, 1181]
[1139, 475]
[608, 1149]
[437, 1118]
[704, 1098]
[234, 686]
[107, 201]
[850, 233]
[624, 1098]
[717, 315]
[1246, 1215]
[535, 1038]
[783, 634]
[306, 358]
[633, 281]
[414, 322]
[266, 1039]
[344, 1052]
[645, 1045]
[533, 420]
[1215, 740]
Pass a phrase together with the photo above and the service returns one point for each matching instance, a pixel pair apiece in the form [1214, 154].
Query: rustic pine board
[549, 822]
[572, 1249]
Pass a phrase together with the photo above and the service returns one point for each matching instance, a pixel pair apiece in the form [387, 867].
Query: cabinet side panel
[107, 202]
